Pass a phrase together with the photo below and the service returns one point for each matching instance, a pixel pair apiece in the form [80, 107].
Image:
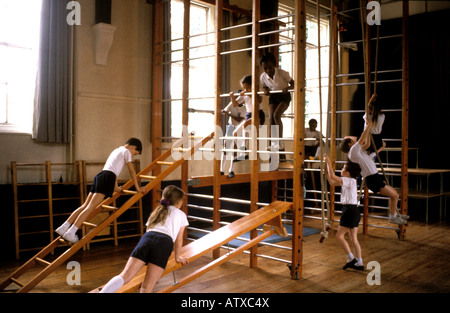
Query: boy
[356, 150]
[350, 212]
[105, 183]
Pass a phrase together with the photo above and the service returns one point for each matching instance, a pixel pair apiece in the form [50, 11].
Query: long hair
[170, 196]
[376, 110]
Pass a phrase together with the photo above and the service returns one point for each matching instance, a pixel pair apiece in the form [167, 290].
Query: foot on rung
[129, 192]
[89, 224]
[109, 208]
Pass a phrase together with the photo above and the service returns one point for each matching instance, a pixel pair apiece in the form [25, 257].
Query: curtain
[52, 116]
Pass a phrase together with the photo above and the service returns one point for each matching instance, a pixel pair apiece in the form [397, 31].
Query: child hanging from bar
[276, 79]
[377, 118]
[350, 212]
[357, 152]
[165, 229]
[245, 98]
[103, 186]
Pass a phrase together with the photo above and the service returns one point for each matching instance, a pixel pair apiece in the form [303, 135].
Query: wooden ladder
[49, 267]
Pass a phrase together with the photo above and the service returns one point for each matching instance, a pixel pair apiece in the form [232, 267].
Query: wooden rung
[109, 208]
[147, 177]
[42, 262]
[89, 224]
[15, 281]
[164, 163]
[129, 192]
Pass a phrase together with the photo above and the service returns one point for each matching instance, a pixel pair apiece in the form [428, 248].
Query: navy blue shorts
[277, 98]
[104, 183]
[262, 117]
[375, 182]
[154, 248]
[350, 216]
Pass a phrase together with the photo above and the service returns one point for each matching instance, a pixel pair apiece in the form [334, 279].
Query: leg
[96, 199]
[393, 198]
[281, 108]
[340, 234]
[78, 211]
[132, 267]
[354, 239]
[152, 275]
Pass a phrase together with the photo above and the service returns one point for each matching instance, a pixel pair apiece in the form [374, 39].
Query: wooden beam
[254, 158]
[333, 98]
[405, 116]
[299, 136]
[157, 90]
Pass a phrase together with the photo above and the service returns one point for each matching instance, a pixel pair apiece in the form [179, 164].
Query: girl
[246, 83]
[276, 79]
[350, 212]
[165, 228]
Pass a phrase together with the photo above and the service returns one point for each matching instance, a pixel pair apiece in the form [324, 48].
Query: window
[201, 68]
[312, 109]
[19, 52]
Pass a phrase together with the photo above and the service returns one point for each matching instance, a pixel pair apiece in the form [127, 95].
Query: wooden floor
[418, 264]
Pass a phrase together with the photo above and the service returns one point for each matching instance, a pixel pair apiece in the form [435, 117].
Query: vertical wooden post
[405, 116]
[254, 159]
[48, 176]
[157, 89]
[185, 91]
[365, 209]
[16, 206]
[333, 98]
[218, 121]
[299, 137]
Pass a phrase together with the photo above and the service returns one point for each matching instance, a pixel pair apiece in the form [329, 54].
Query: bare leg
[340, 234]
[95, 200]
[78, 211]
[354, 239]
[281, 108]
[393, 198]
[153, 274]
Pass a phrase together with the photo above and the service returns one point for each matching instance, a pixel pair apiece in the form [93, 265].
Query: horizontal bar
[277, 31]
[235, 51]
[235, 39]
[236, 26]
[276, 18]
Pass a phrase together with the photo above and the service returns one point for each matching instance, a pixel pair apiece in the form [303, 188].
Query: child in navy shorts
[350, 212]
[103, 186]
[165, 229]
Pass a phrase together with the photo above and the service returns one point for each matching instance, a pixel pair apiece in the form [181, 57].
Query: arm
[134, 178]
[178, 246]
[291, 86]
[331, 176]
[364, 140]
[233, 99]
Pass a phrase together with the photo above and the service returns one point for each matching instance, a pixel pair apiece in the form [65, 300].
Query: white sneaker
[72, 237]
[61, 230]
[397, 220]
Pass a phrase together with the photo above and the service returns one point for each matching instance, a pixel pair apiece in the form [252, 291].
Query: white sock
[359, 262]
[113, 285]
[394, 215]
[65, 225]
[72, 230]
[350, 257]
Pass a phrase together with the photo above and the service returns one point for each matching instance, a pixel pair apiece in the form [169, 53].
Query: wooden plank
[217, 262]
[214, 240]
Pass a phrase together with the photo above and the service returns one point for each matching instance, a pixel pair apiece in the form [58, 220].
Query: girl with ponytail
[165, 229]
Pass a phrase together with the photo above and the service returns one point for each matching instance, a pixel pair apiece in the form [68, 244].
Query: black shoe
[357, 267]
[231, 174]
[350, 264]
[222, 173]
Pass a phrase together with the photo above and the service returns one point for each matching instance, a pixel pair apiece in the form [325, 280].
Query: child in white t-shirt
[165, 229]
[103, 186]
[350, 212]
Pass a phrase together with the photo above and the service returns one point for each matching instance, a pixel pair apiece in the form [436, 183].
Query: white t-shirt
[357, 155]
[311, 134]
[281, 80]
[379, 125]
[349, 191]
[174, 221]
[238, 111]
[117, 159]
[247, 101]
